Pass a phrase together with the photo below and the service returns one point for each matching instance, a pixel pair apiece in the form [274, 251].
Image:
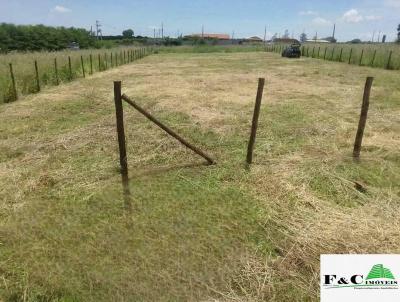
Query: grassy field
[193, 232]
[23, 65]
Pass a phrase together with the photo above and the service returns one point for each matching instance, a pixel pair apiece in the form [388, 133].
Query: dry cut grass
[195, 233]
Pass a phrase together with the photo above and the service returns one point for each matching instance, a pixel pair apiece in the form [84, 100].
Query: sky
[245, 18]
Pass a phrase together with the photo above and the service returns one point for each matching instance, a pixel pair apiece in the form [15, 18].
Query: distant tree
[128, 33]
[286, 35]
[384, 39]
[40, 37]
[303, 37]
[355, 41]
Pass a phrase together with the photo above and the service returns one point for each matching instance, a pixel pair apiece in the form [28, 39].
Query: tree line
[41, 37]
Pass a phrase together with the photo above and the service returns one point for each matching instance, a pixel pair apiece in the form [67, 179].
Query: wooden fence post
[319, 49]
[361, 57]
[112, 65]
[333, 53]
[363, 118]
[341, 53]
[254, 125]
[56, 72]
[119, 111]
[389, 59]
[351, 52]
[124, 57]
[373, 59]
[326, 49]
[99, 62]
[105, 60]
[70, 68]
[14, 87]
[91, 64]
[37, 77]
[83, 67]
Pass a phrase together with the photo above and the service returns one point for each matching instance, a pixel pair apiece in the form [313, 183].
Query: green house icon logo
[378, 271]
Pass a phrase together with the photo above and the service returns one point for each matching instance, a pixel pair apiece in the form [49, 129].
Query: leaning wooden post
[56, 72]
[70, 68]
[351, 52]
[254, 125]
[83, 67]
[119, 111]
[91, 64]
[389, 59]
[14, 87]
[363, 118]
[361, 57]
[37, 77]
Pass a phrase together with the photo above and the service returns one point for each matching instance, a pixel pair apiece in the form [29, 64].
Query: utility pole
[162, 30]
[334, 31]
[98, 30]
[265, 34]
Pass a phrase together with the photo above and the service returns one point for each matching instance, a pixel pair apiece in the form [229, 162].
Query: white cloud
[393, 3]
[352, 16]
[308, 13]
[373, 18]
[321, 21]
[61, 9]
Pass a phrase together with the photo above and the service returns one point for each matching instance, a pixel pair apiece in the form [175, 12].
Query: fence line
[388, 58]
[72, 70]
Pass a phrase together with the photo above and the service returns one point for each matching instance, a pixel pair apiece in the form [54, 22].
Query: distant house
[209, 36]
[73, 46]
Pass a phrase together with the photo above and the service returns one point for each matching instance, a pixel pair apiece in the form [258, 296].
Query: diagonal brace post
[168, 130]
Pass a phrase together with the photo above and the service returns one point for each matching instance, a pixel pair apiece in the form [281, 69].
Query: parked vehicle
[293, 51]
